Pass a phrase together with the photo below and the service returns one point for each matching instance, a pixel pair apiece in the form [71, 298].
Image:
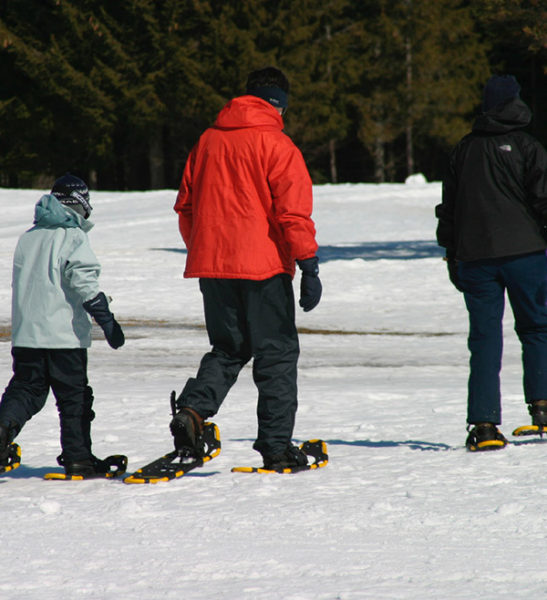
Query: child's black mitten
[98, 309]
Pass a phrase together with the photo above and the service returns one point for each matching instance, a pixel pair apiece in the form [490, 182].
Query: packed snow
[402, 510]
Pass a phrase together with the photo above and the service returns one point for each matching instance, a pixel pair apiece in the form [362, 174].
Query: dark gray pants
[250, 319]
[37, 370]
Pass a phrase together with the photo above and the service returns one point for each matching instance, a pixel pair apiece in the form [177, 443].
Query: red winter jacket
[245, 199]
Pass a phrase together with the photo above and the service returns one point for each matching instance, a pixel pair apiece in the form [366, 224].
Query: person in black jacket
[492, 224]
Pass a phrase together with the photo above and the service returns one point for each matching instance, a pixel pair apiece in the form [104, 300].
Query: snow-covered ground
[401, 511]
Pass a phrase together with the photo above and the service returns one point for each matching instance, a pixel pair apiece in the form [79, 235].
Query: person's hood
[515, 114]
[50, 213]
[249, 111]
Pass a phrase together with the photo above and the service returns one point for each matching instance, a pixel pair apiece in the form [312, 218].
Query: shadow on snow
[412, 444]
[24, 472]
[400, 250]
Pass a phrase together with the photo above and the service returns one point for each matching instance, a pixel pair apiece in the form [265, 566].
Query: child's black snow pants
[250, 319]
[35, 371]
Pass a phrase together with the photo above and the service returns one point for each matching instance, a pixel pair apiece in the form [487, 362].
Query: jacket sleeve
[445, 211]
[291, 188]
[183, 206]
[535, 179]
[81, 268]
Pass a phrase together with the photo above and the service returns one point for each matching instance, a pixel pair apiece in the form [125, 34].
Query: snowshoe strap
[116, 464]
[12, 459]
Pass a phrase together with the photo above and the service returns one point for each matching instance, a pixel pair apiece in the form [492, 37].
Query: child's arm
[99, 310]
[81, 273]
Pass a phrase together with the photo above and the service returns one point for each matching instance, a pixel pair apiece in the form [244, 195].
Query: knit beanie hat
[73, 192]
[271, 85]
[499, 89]
[274, 95]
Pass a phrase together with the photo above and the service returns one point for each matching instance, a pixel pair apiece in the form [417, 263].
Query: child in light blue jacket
[55, 290]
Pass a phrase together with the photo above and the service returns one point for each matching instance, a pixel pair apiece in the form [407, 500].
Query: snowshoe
[538, 412]
[293, 459]
[11, 458]
[93, 468]
[10, 453]
[177, 463]
[485, 436]
[196, 442]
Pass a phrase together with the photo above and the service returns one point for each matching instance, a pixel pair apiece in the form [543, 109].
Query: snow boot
[187, 428]
[485, 436]
[292, 456]
[538, 412]
[10, 453]
[4, 446]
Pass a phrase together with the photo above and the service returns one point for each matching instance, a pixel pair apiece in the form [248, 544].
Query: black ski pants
[250, 319]
[35, 371]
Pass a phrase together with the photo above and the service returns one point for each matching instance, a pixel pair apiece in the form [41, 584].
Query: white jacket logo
[505, 148]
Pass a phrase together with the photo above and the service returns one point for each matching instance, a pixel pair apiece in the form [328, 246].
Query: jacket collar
[249, 111]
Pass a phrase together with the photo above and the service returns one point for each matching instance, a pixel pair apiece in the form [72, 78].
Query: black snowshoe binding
[91, 468]
[485, 436]
[538, 412]
[10, 453]
[291, 457]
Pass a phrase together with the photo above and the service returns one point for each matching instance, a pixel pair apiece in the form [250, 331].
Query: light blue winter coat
[54, 272]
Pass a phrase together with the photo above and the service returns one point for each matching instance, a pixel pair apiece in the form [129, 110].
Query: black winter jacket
[494, 201]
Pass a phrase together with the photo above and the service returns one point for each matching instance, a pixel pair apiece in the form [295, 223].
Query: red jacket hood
[249, 111]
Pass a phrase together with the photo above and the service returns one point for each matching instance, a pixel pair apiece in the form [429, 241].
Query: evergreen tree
[93, 87]
[118, 92]
[424, 66]
[155, 79]
[308, 41]
[54, 117]
[517, 33]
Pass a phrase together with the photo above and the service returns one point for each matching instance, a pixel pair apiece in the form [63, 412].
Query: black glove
[452, 266]
[98, 309]
[310, 284]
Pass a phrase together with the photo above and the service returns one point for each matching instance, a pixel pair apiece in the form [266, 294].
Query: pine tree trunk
[155, 160]
[332, 141]
[332, 153]
[409, 124]
[379, 160]
[409, 149]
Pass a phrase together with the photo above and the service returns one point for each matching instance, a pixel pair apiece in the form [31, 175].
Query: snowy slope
[401, 511]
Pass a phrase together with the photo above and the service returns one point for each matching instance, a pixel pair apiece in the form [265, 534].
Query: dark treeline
[118, 91]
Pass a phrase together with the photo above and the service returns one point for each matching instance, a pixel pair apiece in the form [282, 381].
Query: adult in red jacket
[244, 206]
